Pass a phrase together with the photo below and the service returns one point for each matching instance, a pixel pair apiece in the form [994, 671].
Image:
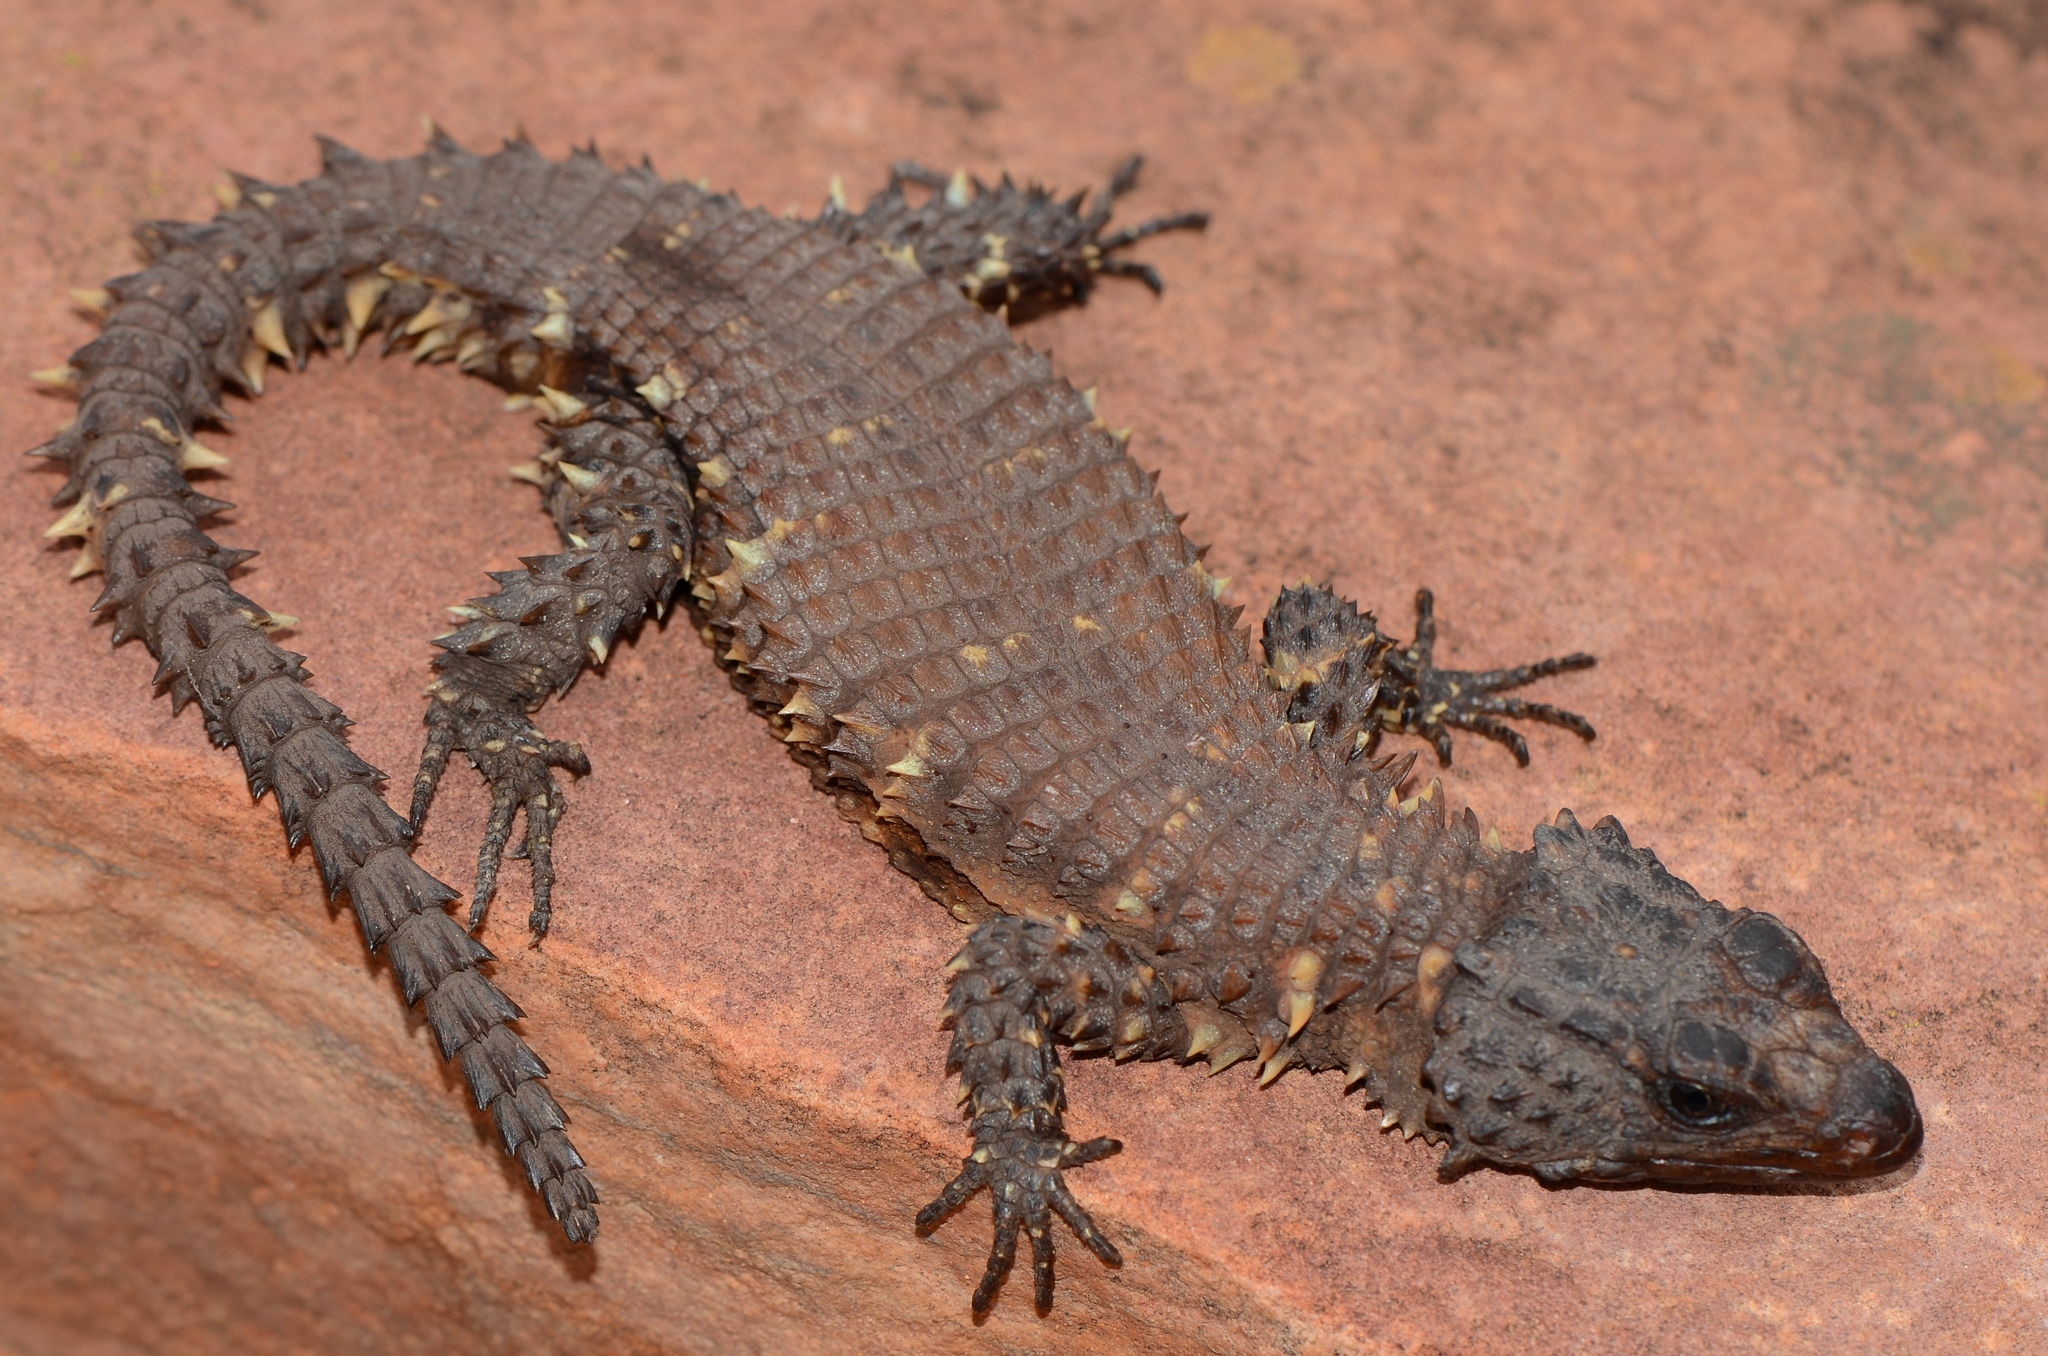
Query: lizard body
[966, 610]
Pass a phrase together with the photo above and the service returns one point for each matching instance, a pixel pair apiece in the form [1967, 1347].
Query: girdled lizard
[968, 613]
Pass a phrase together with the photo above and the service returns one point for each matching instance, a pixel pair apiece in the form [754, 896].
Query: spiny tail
[216, 301]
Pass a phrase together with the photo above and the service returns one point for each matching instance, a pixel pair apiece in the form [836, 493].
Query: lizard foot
[1018, 988]
[1008, 247]
[1023, 1173]
[518, 762]
[1418, 698]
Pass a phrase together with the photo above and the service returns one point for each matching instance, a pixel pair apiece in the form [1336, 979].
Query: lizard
[966, 610]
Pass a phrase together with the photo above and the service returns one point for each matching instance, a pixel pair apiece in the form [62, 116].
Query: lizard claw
[1018, 250]
[1420, 699]
[1025, 1182]
[519, 763]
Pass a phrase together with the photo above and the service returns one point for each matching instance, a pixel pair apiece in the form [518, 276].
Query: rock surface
[1707, 338]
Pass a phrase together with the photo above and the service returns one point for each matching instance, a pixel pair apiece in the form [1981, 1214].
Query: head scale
[1617, 1027]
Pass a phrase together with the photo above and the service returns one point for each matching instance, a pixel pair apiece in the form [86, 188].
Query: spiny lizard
[967, 612]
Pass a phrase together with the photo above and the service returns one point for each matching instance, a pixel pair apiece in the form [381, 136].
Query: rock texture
[1712, 342]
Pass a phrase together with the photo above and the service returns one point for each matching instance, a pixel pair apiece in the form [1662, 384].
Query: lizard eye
[1693, 1105]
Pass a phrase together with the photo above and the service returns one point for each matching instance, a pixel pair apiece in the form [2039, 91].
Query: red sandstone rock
[1707, 339]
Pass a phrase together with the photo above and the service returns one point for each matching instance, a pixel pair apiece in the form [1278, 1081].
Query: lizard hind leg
[519, 764]
[622, 506]
[1019, 987]
[1021, 250]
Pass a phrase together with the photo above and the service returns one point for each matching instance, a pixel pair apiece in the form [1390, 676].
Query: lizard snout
[1874, 1125]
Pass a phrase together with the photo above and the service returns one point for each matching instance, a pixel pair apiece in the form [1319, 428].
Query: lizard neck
[1352, 953]
[1453, 884]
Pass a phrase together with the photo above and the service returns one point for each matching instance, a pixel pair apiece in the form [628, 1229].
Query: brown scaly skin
[965, 609]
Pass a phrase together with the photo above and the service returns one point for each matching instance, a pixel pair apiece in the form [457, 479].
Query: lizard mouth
[1785, 1167]
[1873, 1126]
[1782, 1166]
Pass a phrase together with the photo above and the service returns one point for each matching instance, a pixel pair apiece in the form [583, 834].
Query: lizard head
[1617, 1027]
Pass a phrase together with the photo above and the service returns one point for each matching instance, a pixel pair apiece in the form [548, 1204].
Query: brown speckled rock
[1708, 338]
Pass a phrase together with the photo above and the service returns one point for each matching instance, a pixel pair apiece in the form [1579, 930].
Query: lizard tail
[216, 301]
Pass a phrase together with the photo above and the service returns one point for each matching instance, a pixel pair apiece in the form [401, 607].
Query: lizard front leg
[1417, 697]
[1350, 681]
[621, 503]
[1019, 987]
